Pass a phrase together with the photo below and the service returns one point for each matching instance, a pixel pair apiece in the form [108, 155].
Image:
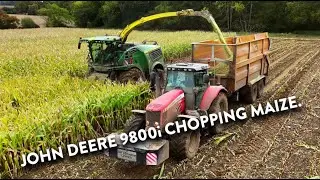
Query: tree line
[248, 16]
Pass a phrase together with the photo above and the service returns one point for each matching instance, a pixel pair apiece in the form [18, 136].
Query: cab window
[198, 78]
[181, 79]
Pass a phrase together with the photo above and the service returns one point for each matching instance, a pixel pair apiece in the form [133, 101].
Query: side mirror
[206, 78]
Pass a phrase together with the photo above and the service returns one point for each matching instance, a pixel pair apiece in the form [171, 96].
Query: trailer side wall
[248, 64]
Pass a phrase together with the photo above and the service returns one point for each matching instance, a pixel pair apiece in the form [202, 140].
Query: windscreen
[102, 52]
[181, 79]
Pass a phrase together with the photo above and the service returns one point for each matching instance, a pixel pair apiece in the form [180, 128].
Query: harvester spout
[188, 12]
[206, 14]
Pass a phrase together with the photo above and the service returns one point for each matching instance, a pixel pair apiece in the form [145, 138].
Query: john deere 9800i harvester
[112, 57]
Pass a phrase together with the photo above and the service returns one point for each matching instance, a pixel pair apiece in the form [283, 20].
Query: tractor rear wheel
[133, 75]
[135, 123]
[219, 104]
[185, 144]
[248, 94]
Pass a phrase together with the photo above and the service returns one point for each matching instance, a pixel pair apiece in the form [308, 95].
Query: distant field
[40, 20]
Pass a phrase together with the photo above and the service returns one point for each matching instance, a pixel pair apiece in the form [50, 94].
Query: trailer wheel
[133, 74]
[219, 104]
[248, 94]
[260, 85]
[185, 144]
[135, 123]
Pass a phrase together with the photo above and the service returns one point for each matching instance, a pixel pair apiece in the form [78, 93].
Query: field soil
[281, 145]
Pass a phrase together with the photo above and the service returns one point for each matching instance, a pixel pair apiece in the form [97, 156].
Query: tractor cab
[192, 78]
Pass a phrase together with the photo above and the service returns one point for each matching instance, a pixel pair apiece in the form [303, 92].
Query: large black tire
[220, 103]
[135, 123]
[185, 144]
[133, 75]
[248, 94]
[260, 89]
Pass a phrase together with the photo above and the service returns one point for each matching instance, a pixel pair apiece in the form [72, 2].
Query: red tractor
[196, 89]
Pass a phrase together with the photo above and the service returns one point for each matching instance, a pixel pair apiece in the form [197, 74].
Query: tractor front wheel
[219, 104]
[135, 123]
[185, 144]
[133, 75]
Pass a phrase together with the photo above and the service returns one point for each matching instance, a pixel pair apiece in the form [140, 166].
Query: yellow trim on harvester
[125, 32]
[188, 12]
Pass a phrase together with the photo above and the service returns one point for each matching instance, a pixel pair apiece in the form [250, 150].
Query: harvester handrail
[213, 44]
[210, 44]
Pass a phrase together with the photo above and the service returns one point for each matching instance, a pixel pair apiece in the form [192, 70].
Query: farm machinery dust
[195, 89]
[111, 57]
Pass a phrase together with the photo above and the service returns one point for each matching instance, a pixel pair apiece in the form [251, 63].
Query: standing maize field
[45, 100]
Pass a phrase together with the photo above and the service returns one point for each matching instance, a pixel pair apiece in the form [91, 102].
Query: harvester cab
[102, 50]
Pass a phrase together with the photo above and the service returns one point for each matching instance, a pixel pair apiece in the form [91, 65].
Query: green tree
[57, 16]
[110, 14]
[87, 13]
[303, 15]
[28, 23]
[22, 7]
[180, 23]
[32, 9]
[272, 16]
[269, 16]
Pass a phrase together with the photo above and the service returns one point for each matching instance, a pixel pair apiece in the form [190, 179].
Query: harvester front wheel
[219, 104]
[135, 123]
[185, 144]
[133, 75]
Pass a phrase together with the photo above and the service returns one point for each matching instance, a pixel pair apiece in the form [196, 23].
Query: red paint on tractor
[163, 101]
[209, 95]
